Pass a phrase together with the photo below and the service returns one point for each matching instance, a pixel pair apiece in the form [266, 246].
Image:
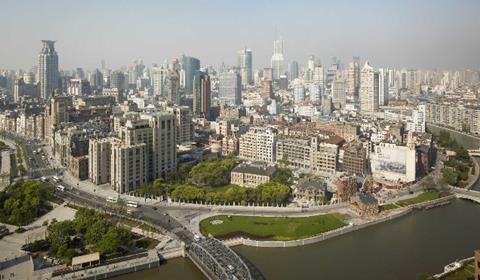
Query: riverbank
[357, 225]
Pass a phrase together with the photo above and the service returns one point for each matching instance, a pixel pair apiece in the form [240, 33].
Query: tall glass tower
[190, 65]
[245, 64]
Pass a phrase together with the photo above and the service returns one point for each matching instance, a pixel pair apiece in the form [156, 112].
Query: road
[37, 163]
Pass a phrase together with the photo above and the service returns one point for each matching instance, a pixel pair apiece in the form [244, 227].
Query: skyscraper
[368, 89]
[117, 80]
[383, 95]
[229, 88]
[338, 93]
[48, 69]
[277, 59]
[159, 77]
[298, 91]
[245, 64]
[353, 78]
[318, 76]
[190, 65]
[293, 70]
[201, 94]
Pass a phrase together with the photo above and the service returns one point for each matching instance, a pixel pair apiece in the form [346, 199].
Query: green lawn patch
[270, 228]
[426, 196]
[388, 207]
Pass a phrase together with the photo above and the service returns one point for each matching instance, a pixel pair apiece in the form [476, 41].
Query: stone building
[251, 175]
[310, 190]
[355, 158]
[346, 187]
[364, 204]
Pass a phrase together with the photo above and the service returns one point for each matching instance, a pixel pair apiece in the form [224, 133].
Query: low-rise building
[364, 204]
[310, 190]
[251, 175]
[346, 187]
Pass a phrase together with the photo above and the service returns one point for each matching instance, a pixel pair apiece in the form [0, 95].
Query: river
[400, 249]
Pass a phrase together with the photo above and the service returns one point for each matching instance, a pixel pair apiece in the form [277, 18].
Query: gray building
[48, 69]
[230, 88]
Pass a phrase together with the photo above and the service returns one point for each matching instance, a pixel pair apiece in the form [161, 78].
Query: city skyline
[427, 34]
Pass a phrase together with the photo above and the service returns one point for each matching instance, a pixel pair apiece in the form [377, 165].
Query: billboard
[391, 159]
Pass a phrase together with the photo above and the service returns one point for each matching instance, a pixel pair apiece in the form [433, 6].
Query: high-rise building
[190, 65]
[117, 80]
[29, 78]
[159, 78]
[315, 93]
[183, 123]
[368, 89]
[338, 93]
[201, 94]
[298, 91]
[419, 118]
[353, 78]
[326, 104]
[99, 156]
[127, 170]
[383, 93]
[293, 70]
[258, 143]
[162, 156]
[173, 83]
[48, 69]
[267, 89]
[277, 59]
[318, 75]
[268, 74]
[245, 64]
[229, 88]
[96, 79]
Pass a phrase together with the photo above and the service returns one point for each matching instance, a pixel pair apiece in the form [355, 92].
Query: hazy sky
[411, 33]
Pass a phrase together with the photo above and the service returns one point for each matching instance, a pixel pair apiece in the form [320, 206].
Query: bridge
[217, 261]
[467, 194]
[474, 153]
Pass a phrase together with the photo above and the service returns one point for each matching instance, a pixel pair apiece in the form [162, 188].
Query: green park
[270, 228]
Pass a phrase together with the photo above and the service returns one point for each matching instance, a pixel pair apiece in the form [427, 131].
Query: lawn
[388, 207]
[270, 228]
[426, 196]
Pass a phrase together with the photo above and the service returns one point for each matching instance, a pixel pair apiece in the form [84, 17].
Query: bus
[133, 204]
[112, 199]
[60, 188]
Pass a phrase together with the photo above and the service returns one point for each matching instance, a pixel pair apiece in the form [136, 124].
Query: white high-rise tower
[277, 59]
[368, 89]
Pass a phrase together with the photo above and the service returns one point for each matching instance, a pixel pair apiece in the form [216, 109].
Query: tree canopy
[213, 172]
[22, 202]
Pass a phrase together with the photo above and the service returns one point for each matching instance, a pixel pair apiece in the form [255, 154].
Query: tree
[84, 218]
[213, 172]
[113, 239]
[283, 176]
[273, 192]
[96, 231]
[450, 176]
[24, 201]
[59, 236]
